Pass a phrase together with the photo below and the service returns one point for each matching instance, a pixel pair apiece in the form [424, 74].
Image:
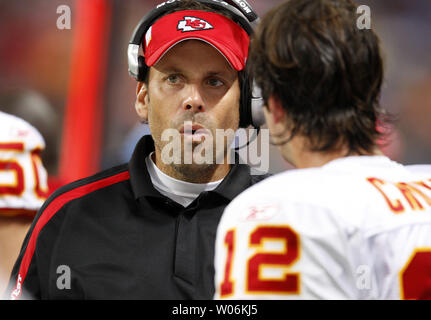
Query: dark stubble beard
[197, 173]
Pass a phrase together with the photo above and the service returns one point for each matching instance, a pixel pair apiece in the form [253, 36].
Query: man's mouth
[194, 131]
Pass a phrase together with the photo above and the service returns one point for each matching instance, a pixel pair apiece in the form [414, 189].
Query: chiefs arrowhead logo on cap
[224, 34]
[148, 36]
[193, 24]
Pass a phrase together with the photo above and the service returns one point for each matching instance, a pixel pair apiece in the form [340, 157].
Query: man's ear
[276, 110]
[142, 101]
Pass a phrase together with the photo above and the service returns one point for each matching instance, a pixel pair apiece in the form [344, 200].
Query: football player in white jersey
[23, 186]
[347, 223]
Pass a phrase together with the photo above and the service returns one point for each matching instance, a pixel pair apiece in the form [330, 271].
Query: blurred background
[73, 84]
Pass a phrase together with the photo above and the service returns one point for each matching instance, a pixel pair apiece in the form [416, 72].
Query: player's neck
[303, 157]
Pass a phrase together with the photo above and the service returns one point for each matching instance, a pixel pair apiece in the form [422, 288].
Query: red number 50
[17, 187]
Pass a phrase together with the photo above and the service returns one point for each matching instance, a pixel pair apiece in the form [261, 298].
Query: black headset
[251, 102]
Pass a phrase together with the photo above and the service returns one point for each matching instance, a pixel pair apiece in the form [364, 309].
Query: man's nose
[193, 100]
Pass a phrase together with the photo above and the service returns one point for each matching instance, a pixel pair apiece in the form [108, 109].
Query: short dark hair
[326, 72]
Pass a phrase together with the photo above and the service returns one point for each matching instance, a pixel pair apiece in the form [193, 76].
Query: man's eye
[214, 82]
[174, 78]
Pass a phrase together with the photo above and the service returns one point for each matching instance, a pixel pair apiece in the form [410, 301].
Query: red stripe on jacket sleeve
[49, 212]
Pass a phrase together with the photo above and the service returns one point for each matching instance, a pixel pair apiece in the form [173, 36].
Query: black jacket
[114, 236]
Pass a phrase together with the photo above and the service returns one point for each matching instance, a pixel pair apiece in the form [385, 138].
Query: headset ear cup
[245, 101]
[143, 69]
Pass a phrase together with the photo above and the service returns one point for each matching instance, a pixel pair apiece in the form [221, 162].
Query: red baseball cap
[229, 38]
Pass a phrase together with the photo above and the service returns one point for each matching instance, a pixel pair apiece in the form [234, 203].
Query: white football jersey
[420, 168]
[355, 228]
[23, 178]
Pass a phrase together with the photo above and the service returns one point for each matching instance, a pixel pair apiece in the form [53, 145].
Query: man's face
[193, 84]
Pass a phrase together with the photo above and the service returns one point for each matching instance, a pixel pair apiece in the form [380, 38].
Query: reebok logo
[193, 24]
[260, 212]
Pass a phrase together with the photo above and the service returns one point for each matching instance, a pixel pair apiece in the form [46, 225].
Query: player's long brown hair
[326, 72]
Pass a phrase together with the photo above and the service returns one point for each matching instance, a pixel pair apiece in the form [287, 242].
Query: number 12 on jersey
[255, 282]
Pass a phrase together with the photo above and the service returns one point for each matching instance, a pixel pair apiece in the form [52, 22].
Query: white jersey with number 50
[23, 179]
[356, 228]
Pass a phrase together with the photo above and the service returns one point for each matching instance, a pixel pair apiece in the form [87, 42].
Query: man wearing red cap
[146, 229]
